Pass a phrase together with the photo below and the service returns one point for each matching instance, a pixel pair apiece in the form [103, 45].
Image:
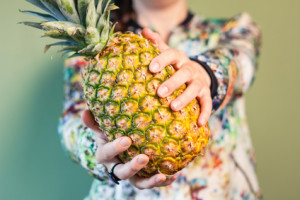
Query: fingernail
[162, 90]
[201, 122]
[175, 176]
[142, 160]
[176, 104]
[154, 67]
[125, 142]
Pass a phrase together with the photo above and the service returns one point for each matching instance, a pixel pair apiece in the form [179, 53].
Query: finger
[169, 181]
[147, 183]
[129, 169]
[187, 96]
[168, 57]
[108, 151]
[155, 39]
[88, 119]
[206, 107]
[174, 82]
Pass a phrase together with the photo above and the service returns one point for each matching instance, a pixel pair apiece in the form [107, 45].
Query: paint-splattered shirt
[229, 47]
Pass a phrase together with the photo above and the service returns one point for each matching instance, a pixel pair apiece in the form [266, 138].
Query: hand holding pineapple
[188, 72]
[107, 154]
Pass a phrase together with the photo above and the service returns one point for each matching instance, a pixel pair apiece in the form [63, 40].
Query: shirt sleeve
[234, 59]
[77, 140]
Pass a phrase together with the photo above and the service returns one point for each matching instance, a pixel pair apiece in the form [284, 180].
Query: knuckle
[197, 82]
[169, 83]
[184, 99]
[176, 53]
[187, 70]
[99, 155]
[157, 58]
[104, 157]
[171, 52]
[198, 90]
[180, 53]
[134, 169]
[197, 86]
[205, 93]
[207, 90]
[116, 147]
[181, 98]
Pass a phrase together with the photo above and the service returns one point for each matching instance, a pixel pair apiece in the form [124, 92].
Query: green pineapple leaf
[40, 15]
[82, 9]
[52, 6]
[84, 27]
[64, 43]
[32, 24]
[68, 9]
[91, 16]
[38, 4]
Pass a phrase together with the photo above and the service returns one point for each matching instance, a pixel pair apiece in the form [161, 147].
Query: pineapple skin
[121, 93]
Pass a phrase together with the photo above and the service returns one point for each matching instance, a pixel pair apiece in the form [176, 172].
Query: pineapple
[119, 88]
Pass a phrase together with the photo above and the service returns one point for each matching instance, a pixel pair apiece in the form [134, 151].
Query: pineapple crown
[83, 25]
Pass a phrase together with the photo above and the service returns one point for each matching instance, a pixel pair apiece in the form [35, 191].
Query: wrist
[212, 80]
[205, 75]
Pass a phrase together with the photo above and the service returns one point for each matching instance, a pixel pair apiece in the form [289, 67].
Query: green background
[32, 163]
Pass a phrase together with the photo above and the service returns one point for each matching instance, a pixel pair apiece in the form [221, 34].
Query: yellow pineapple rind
[121, 93]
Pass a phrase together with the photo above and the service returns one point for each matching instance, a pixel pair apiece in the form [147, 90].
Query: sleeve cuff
[214, 81]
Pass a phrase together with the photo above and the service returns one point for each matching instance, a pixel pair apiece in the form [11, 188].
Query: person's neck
[163, 17]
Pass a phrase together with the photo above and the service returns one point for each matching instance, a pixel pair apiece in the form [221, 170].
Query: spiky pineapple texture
[83, 25]
[121, 92]
[119, 88]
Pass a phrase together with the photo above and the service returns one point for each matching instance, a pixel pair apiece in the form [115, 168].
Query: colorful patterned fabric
[227, 170]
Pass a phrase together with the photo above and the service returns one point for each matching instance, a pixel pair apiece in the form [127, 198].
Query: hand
[188, 71]
[107, 154]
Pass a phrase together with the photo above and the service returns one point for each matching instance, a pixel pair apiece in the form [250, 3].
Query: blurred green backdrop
[32, 163]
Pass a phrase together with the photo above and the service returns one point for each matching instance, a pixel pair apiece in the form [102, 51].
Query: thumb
[88, 120]
[155, 39]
